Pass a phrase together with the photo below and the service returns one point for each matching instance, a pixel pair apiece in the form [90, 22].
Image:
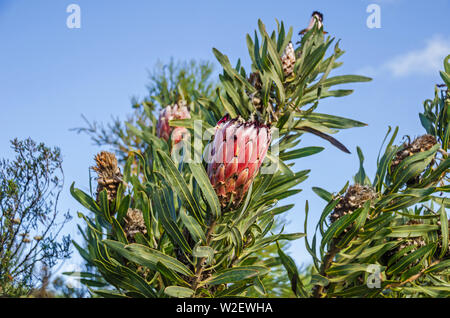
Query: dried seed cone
[134, 223]
[288, 60]
[172, 112]
[235, 156]
[109, 175]
[420, 144]
[354, 198]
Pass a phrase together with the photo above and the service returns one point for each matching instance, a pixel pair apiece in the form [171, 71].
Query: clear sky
[50, 75]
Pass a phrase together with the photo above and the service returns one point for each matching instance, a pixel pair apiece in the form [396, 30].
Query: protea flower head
[171, 112]
[235, 156]
[109, 175]
[316, 16]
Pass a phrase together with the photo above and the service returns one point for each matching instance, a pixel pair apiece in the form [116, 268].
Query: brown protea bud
[316, 17]
[354, 198]
[255, 80]
[235, 156]
[288, 60]
[420, 144]
[134, 223]
[109, 176]
[172, 112]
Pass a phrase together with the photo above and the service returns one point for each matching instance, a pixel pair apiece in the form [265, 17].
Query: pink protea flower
[171, 112]
[316, 16]
[235, 156]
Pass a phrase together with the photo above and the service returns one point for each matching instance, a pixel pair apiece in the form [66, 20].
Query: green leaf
[408, 259]
[441, 266]
[179, 185]
[192, 226]
[169, 225]
[123, 208]
[446, 78]
[339, 226]
[178, 292]
[148, 257]
[237, 239]
[312, 96]
[324, 194]
[285, 182]
[104, 205]
[259, 286]
[82, 275]
[300, 153]
[84, 199]
[84, 254]
[105, 293]
[332, 121]
[361, 177]
[444, 231]
[120, 234]
[92, 283]
[146, 210]
[205, 185]
[412, 230]
[170, 276]
[291, 268]
[343, 79]
[236, 274]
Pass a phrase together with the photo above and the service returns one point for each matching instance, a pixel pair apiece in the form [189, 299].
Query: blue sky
[50, 75]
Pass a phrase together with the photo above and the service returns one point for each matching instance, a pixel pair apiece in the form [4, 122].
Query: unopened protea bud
[420, 144]
[172, 112]
[354, 198]
[255, 80]
[235, 156]
[134, 223]
[109, 175]
[255, 97]
[315, 17]
[288, 60]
